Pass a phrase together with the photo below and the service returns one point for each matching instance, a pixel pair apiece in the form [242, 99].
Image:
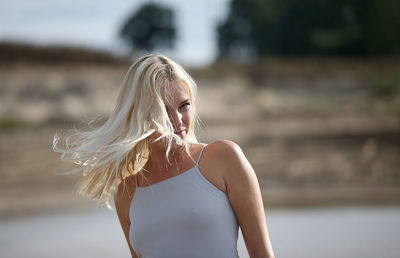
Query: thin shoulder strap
[136, 179]
[201, 154]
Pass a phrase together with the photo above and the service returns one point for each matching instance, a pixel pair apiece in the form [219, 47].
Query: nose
[176, 119]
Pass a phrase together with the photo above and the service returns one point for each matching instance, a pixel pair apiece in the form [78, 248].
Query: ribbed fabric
[183, 216]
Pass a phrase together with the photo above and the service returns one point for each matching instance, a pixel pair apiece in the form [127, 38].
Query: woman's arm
[244, 194]
[122, 202]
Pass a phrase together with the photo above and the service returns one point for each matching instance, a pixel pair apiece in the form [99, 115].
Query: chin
[183, 141]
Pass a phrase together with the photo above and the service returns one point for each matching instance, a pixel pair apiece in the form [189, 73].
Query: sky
[96, 24]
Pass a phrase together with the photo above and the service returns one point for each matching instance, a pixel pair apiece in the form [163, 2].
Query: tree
[152, 26]
[310, 27]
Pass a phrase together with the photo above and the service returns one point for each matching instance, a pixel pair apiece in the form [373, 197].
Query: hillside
[315, 131]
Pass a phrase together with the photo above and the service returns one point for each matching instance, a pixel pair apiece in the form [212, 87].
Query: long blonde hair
[119, 148]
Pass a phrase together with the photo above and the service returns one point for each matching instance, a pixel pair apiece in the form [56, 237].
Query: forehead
[175, 93]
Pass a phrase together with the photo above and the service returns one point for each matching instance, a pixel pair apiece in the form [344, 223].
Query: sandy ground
[289, 170]
[315, 138]
[312, 138]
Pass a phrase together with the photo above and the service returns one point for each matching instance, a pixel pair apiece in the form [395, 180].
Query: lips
[178, 132]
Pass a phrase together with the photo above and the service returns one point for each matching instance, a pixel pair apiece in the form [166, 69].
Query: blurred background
[309, 89]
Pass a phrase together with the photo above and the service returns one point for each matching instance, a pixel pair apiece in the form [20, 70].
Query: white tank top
[183, 216]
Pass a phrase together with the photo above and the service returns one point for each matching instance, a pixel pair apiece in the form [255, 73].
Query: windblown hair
[120, 147]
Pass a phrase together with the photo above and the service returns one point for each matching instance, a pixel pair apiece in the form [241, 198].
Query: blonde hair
[119, 148]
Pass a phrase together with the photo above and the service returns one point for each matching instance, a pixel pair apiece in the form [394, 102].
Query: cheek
[188, 117]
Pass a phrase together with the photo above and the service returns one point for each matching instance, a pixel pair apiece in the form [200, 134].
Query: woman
[174, 196]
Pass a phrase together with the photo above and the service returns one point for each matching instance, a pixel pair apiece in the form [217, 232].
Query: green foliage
[10, 123]
[310, 27]
[386, 88]
[150, 27]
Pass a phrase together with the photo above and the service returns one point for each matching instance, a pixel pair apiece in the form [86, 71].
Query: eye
[185, 105]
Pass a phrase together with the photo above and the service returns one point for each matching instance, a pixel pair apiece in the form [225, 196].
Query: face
[179, 108]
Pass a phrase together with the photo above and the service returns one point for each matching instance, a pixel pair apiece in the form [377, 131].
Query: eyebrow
[186, 100]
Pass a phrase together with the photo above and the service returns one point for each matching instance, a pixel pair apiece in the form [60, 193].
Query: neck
[157, 156]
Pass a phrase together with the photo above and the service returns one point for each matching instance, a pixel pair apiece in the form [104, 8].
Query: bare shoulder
[225, 150]
[226, 156]
[221, 146]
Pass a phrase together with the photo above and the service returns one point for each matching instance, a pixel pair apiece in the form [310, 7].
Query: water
[308, 232]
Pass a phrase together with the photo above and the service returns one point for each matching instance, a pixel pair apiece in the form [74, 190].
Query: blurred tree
[310, 27]
[150, 27]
